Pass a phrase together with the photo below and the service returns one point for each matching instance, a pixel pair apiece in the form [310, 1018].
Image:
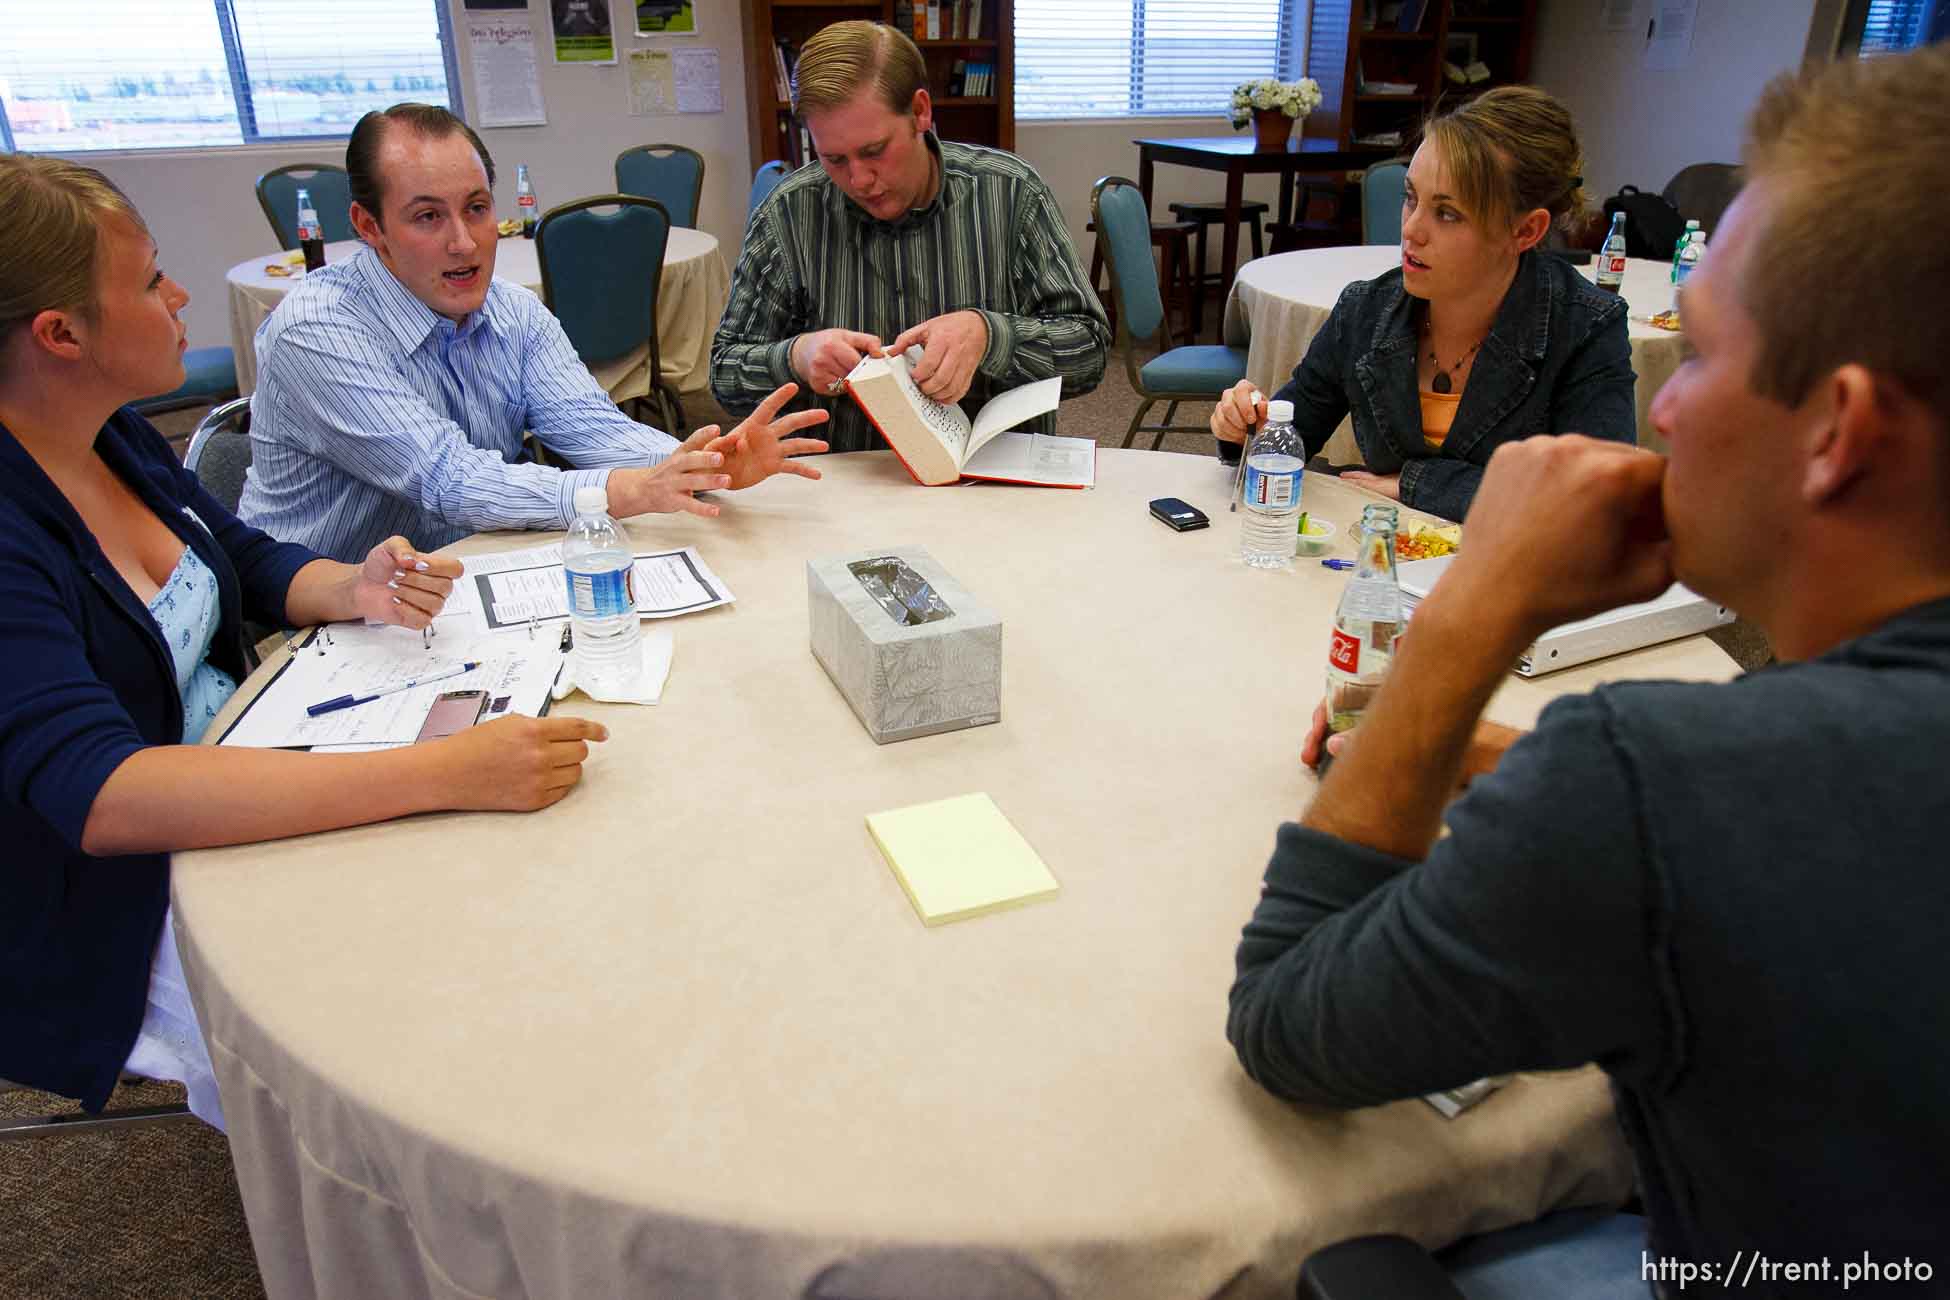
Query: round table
[690, 298]
[683, 1034]
[1279, 303]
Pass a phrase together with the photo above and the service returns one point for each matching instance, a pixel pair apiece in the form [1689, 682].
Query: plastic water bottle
[599, 567]
[525, 202]
[1611, 262]
[1276, 461]
[1679, 245]
[1689, 256]
[311, 235]
[1365, 625]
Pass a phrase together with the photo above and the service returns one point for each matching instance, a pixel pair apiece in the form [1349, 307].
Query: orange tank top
[1438, 413]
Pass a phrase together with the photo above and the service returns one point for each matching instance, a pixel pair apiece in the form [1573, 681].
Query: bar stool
[1213, 214]
[1176, 279]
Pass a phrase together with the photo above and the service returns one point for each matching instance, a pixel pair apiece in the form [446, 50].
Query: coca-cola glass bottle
[1365, 625]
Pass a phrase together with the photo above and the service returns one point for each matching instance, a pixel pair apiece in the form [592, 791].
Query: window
[168, 74]
[1121, 58]
[1878, 27]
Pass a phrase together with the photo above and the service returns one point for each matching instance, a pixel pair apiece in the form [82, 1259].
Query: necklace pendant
[1441, 382]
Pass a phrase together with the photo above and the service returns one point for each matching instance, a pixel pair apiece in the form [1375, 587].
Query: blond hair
[1510, 151]
[1845, 264]
[845, 58]
[54, 213]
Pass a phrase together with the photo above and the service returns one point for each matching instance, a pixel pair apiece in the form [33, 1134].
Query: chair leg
[1171, 413]
[1144, 409]
[1198, 286]
[49, 1125]
[1259, 245]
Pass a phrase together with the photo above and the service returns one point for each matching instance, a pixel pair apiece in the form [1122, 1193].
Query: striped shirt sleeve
[342, 401]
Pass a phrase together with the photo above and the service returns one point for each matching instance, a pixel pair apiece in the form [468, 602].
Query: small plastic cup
[1319, 537]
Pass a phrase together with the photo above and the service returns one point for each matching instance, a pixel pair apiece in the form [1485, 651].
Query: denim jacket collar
[1504, 372]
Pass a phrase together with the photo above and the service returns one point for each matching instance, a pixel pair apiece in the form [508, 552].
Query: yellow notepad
[959, 857]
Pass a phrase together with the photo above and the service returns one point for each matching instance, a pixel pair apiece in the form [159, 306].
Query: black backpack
[1652, 224]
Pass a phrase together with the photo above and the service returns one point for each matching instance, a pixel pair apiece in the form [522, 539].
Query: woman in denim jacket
[1477, 339]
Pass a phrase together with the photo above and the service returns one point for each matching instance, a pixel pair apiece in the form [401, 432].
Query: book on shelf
[1410, 19]
[973, 29]
[958, 79]
[781, 73]
[934, 20]
[940, 444]
[921, 8]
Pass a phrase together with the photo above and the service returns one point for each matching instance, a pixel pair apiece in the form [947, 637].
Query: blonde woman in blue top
[123, 589]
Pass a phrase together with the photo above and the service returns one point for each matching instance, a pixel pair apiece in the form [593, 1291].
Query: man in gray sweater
[1732, 897]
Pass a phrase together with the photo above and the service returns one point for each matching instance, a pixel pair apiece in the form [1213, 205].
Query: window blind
[158, 74]
[1115, 58]
[1891, 26]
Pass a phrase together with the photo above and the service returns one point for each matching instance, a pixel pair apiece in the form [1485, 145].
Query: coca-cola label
[1345, 653]
[524, 200]
[1616, 265]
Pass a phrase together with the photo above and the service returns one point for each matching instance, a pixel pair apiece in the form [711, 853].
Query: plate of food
[1665, 320]
[1423, 541]
[508, 229]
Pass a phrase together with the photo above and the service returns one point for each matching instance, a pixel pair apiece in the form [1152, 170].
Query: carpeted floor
[154, 1211]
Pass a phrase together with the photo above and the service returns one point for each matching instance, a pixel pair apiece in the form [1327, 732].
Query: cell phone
[453, 711]
[1178, 515]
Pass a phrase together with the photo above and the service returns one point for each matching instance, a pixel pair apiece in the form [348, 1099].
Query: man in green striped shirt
[898, 238]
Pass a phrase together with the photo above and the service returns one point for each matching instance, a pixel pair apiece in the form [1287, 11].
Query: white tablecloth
[1279, 303]
[690, 299]
[682, 1034]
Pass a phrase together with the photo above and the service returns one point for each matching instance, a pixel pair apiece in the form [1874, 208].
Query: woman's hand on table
[1387, 485]
[513, 764]
[398, 585]
[1239, 408]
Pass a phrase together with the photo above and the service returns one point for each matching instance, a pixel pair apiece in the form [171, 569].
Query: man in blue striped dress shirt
[394, 387]
[898, 238]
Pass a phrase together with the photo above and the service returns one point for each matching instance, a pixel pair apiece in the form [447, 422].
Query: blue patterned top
[186, 611]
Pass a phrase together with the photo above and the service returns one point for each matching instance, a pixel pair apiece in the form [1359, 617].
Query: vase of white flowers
[1273, 107]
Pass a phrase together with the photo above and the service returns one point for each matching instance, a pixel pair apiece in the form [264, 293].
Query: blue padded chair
[220, 451]
[1381, 203]
[669, 173]
[600, 275]
[1187, 374]
[764, 183]
[211, 376]
[331, 197]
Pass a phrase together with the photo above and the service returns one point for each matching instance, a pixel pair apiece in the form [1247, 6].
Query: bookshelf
[1376, 78]
[987, 117]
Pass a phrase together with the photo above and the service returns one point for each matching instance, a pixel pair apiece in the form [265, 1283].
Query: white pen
[1239, 479]
[347, 701]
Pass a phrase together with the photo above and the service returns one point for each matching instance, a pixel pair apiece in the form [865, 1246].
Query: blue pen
[347, 701]
[1337, 564]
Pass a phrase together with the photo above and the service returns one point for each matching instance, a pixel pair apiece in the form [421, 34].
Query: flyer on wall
[582, 33]
[666, 18]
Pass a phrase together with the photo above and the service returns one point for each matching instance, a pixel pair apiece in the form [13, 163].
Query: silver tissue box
[909, 648]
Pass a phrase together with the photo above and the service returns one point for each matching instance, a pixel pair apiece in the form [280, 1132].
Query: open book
[939, 443]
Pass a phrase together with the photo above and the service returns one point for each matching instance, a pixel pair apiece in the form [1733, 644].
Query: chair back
[331, 196]
[1382, 190]
[1123, 222]
[669, 173]
[1703, 191]
[600, 272]
[220, 451]
[763, 184]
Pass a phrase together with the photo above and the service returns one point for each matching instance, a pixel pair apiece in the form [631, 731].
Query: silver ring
[835, 388]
